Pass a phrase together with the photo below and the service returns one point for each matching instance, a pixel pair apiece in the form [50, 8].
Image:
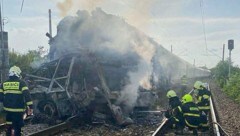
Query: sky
[195, 29]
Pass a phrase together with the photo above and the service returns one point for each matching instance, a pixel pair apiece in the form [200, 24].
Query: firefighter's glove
[29, 111]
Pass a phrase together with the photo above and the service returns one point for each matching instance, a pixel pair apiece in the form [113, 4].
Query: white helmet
[171, 93]
[198, 85]
[15, 71]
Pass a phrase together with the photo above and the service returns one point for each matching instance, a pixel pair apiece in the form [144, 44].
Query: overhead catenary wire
[216, 55]
[204, 31]
[203, 23]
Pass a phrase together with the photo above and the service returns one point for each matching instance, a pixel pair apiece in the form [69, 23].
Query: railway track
[50, 130]
[57, 128]
[215, 129]
[3, 125]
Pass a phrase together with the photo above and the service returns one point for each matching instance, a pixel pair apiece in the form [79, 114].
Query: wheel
[49, 109]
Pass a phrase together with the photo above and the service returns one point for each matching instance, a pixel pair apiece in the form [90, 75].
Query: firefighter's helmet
[15, 71]
[187, 98]
[198, 85]
[171, 93]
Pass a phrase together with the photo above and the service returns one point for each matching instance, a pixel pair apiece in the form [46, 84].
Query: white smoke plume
[113, 40]
[65, 7]
[137, 14]
[140, 77]
[129, 94]
[71, 6]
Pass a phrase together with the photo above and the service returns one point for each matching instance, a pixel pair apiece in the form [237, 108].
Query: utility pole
[223, 52]
[4, 59]
[50, 22]
[194, 68]
[171, 49]
[186, 70]
[230, 47]
[49, 34]
[2, 47]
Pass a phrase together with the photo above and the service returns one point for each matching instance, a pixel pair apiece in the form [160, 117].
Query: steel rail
[52, 130]
[57, 128]
[213, 115]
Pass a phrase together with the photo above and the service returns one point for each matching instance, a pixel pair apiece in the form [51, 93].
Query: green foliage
[230, 85]
[220, 72]
[232, 88]
[24, 61]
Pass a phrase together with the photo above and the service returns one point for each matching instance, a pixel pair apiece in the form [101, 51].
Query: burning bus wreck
[78, 84]
[74, 84]
[102, 70]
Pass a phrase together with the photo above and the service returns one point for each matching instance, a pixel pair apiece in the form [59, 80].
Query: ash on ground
[144, 125]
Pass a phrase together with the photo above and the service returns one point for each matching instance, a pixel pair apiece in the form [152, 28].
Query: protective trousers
[14, 123]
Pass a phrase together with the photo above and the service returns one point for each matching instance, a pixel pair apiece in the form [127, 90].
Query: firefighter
[16, 99]
[173, 99]
[203, 96]
[190, 112]
[203, 103]
[183, 84]
[174, 120]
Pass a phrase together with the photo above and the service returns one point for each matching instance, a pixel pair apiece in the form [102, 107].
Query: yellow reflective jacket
[15, 95]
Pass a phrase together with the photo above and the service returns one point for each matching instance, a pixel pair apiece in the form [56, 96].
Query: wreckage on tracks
[79, 84]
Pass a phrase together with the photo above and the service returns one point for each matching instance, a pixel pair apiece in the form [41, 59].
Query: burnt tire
[48, 108]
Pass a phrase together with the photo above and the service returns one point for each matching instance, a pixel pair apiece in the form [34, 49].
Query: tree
[25, 61]
[220, 72]
[230, 85]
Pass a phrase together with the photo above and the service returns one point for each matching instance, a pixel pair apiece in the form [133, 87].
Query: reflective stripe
[199, 98]
[13, 110]
[12, 92]
[9, 123]
[1, 90]
[194, 109]
[204, 125]
[11, 86]
[24, 88]
[206, 96]
[204, 107]
[191, 114]
[190, 124]
[176, 119]
[180, 109]
[30, 103]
